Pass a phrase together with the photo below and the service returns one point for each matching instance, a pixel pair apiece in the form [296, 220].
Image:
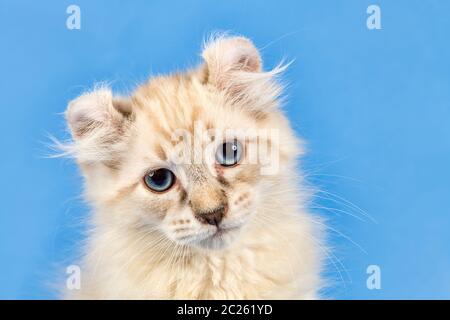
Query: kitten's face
[185, 155]
[191, 165]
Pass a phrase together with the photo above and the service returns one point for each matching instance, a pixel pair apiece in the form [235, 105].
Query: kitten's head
[191, 156]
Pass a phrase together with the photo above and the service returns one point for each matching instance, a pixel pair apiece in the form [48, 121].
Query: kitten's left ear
[234, 66]
[227, 56]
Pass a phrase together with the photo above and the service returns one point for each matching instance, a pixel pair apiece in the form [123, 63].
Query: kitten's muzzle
[212, 217]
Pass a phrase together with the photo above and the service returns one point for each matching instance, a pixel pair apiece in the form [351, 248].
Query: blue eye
[229, 153]
[159, 180]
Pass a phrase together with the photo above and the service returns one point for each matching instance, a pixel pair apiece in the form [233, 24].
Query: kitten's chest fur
[280, 262]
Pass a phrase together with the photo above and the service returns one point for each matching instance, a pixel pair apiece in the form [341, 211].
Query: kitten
[194, 188]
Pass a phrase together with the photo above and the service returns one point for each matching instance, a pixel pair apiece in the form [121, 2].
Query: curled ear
[94, 110]
[226, 56]
[98, 123]
[234, 66]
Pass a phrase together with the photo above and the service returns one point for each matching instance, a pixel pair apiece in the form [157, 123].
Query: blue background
[374, 106]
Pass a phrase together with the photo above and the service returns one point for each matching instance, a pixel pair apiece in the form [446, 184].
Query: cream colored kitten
[194, 186]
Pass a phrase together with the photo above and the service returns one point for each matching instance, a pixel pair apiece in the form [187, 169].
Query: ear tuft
[100, 125]
[233, 65]
[226, 55]
[96, 109]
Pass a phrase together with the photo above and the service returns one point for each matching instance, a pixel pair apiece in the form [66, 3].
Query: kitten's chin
[219, 240]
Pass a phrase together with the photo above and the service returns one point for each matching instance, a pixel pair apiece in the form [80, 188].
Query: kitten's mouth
[219, 239]
[222, 231]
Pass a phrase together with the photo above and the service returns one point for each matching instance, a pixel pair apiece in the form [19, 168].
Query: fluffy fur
[147, 245]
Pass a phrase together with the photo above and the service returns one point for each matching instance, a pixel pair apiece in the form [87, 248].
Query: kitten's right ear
[99, 124]
[97, 110]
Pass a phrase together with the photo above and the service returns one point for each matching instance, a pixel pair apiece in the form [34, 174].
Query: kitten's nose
[212, 217]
